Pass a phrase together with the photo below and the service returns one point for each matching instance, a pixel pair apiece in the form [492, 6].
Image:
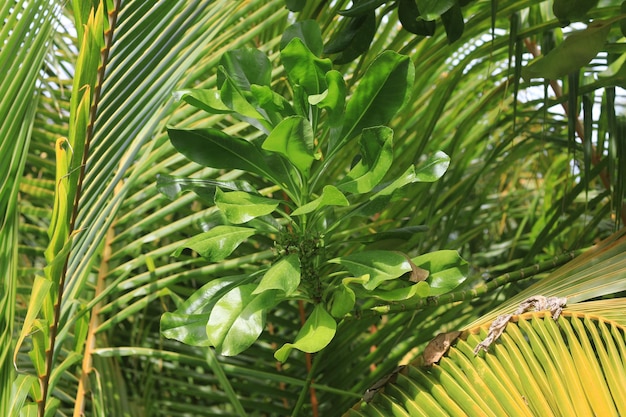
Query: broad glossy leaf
[240, 207]
[342, 301]
[189, 329]
[410, 17]
[447, 270]
[568, 10]
[577, 50]
[245, 66]
[207, 100]
[304, 68]
[275, 105]
[214, 148]
[331, 196]
[237, 319]
[420, 290]
[384, 88]
[433, 168]
[293, 138]
[333, 100]
[432, 9]
[188, 323]
[316, 333]
[203, 299]
[237, 99]
[308, 31]
[380, 265]
[353, 39]
[453, 22]
[171, 187]
[380, 200]
[376, 159]
[284, 275]
[216, 244]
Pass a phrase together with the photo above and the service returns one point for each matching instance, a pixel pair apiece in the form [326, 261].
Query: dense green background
[525, 183]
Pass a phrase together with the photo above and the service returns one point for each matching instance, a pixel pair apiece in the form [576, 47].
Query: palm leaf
[571, 366]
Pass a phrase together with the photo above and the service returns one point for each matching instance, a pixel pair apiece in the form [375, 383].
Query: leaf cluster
[309, 216]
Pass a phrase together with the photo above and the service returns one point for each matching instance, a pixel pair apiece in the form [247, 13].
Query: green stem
[307, 384]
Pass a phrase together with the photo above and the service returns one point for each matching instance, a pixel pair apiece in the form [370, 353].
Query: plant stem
[307, 387]
[108, 40]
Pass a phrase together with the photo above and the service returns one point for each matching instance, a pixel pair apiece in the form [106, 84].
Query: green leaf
[304, 68]
[207, 100]
[284, 275]
[331, 196]
[240, 207]
[410, 17]
[308, 31]
[293, 138]
[234, 98]
[275, 105]
[568, 10]
[432, 9]
[171, 187]
[245, 66]
[333, 100]
[384, 88]
[354, 38]
[189, 329]
[237, 319]
[188, 323]
[453, 22]
[214, 148]
[217, 243]
[376, 159]
[342, 301]
[572, 54]
[433, 168]
[41, 288]
[420, 289]
[316, 333]
[380, 265]
[295, 5]
[447, 270]
[19, 392]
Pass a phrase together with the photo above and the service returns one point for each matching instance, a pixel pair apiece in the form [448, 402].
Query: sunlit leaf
[316, 333]
[237, 319]
[240, 207]
[376, 159]
[293, 138]
[284, 275]
[447, 270]
[379, 265]
[331, 196]
[217, 243]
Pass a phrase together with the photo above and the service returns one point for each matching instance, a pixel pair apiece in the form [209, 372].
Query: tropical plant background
[528, 181]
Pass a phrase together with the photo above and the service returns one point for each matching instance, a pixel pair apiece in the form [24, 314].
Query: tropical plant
[87, 236]
[317, 219]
